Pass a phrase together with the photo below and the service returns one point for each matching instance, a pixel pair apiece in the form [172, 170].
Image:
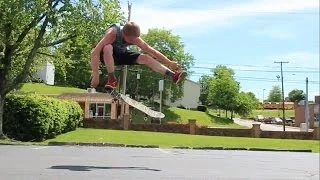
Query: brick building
[95, 105]
[314, 113]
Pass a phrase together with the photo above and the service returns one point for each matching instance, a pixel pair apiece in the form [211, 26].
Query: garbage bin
[303, 127]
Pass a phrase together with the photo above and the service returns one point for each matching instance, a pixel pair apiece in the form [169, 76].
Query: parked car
[289, 120]
[267, 120]
[276, 120]
[259, 118]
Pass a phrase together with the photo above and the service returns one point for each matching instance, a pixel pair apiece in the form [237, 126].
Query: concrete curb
[56, 143]
[283, 150]
[180, 147]
[208, 148]
[236, 149]
[142, 146]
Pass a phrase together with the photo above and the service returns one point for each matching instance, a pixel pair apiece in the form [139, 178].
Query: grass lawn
[174, 114]
[167, 140]
[41, 88]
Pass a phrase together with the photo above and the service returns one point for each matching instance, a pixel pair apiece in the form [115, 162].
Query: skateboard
[138, 105]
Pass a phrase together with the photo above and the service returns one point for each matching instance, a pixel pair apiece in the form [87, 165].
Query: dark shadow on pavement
[90, 168]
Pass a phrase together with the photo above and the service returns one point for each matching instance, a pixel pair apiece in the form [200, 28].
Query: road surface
[79, 162]
[265, 127]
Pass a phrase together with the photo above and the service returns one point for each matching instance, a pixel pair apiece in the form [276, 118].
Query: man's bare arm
[147, 48]
[95, 54]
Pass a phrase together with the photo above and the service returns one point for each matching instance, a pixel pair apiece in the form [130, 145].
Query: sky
[248, 36]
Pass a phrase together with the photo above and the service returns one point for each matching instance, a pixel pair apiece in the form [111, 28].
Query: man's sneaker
[179, 76]
[112, 83]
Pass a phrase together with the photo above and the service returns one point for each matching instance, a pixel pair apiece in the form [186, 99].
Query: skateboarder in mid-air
[112, 50]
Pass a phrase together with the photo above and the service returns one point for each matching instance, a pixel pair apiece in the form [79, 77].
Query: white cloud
[151, 16]
[276, 32]
[300, 58]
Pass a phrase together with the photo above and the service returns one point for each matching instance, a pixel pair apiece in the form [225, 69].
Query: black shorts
[122, 57]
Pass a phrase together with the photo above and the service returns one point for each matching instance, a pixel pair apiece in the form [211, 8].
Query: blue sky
[246, 35]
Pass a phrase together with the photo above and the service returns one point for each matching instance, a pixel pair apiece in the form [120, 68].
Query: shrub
[75, 116]
[36, 118]
[181, 107]
[202, 108]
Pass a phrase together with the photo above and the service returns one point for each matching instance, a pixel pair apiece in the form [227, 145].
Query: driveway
[265, 127]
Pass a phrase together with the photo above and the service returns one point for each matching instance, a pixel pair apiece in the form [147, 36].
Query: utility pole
[125, 67]
[263, 98]
[283, 111]
[306, 111]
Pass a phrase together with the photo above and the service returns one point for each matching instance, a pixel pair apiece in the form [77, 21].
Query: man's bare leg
[154, 65]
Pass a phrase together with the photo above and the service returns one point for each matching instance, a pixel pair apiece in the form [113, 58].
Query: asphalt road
[79, 162]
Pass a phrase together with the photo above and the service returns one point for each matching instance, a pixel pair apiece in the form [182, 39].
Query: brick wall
[192, 128]
[317, 99]
[170, 128]
[224, 132]
[101, 123]
[286, 135]
[300, 115]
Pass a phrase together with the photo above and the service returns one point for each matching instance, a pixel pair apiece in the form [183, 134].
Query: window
[107, 110]
[100, 110]
[92, 110]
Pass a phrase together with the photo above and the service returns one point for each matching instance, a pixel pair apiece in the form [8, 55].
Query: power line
[247, 65]
[257, 70]
[259, 79]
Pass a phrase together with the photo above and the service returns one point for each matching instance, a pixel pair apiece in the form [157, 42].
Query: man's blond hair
[131, 29]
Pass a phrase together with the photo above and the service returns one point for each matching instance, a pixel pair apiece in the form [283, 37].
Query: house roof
[193, 82]
[86, 97]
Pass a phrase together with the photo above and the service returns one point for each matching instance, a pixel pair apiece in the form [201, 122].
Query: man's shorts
[122, 57]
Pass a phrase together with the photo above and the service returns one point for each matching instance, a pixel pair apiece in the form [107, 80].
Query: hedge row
[37, 118]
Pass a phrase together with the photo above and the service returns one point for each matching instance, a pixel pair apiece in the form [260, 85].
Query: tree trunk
[231, 115]
[226, 114]
[2, 136]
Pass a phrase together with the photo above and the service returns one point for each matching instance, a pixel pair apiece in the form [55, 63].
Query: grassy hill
[174, 114]
[41, 88]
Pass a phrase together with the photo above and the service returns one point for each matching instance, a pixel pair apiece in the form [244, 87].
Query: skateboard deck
[133, 103]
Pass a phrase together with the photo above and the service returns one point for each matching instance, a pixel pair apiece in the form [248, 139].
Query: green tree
[223, 89]
[253, 96]
[73, 68]
[30, 31]
[296, 95]
[275, 94]
[245, 103]
[171, 46]
[204, 83]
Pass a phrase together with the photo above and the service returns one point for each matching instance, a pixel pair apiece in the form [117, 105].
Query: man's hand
[95, 80]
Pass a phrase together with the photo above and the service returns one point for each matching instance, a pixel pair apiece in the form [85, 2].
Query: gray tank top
[119, 44]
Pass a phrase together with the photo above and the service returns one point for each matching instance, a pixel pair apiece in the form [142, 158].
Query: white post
[160, 89]
[160, 103]
[125, 68]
